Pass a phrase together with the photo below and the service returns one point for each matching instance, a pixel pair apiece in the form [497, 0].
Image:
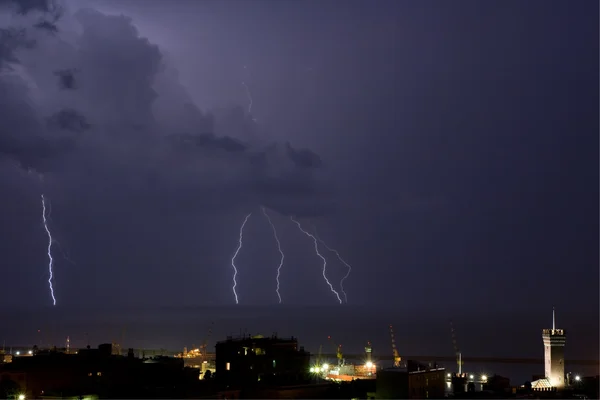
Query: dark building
[497, 384]
[427, 384]
[98, 372]
[421, 382]
[589, 386]
[252, 361]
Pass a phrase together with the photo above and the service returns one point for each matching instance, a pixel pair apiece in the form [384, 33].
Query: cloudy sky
[447, 150]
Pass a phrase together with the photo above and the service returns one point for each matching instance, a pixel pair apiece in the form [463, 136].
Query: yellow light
[369, 364]
[21, 397]
[325, 367]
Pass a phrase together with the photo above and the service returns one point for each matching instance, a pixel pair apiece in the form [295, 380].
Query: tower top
[554, 332]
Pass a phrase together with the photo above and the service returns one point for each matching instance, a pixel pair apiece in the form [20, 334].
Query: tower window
[228, 366]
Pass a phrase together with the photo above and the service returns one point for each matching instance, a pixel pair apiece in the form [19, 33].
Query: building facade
[250, 360]
[396, 383]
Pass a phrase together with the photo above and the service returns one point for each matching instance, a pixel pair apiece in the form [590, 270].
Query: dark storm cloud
[47, 26]
[304, 157]
[127, 127]
[66, 78]
[69, 120]
[207, 141]
[21, 131]
[50, 12]
[12, 39]
[27, 6]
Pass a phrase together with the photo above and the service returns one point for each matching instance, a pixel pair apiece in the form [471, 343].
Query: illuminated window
[228, 366]
[99, 374]
[89, 374]
[274, 364]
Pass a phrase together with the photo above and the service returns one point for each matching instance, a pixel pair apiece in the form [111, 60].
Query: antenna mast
[459, 361]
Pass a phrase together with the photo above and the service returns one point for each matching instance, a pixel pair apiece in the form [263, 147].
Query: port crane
[395, 353]
[338, 352]
[205, 343]
[456, 349]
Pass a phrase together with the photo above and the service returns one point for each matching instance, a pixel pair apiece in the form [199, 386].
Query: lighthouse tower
[554, 354]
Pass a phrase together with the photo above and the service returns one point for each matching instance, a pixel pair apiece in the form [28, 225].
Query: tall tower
[554, 354]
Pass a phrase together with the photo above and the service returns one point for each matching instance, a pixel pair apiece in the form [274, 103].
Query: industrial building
[421, 383]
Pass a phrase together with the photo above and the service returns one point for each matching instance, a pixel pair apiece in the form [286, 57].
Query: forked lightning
[249, 97]
[240, 244]
[321, 256]
[341, 260]
[50, 260]
[280, 252]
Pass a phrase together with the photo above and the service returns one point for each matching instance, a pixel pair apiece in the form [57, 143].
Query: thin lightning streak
[235, 271]
[322, 258]
[341, 260]
[249, 97]
[65, 254]
[49, 213]
[51, 261]
[280, 251]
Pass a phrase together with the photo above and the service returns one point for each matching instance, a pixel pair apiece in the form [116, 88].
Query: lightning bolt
[341, 260]
[55, 241]
[321, 256]
[280, 251]
[240, 244]
[50, 241]
[249, 97]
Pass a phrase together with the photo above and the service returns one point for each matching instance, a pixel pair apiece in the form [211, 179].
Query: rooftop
[553, 332]
[247, 338]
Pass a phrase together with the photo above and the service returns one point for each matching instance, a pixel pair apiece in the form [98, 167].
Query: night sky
[447, 150]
